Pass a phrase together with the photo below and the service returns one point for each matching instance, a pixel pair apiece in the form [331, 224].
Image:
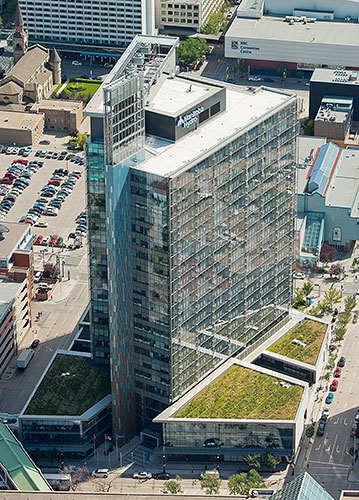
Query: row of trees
[331, 297]
[192, 50]
[84, 97]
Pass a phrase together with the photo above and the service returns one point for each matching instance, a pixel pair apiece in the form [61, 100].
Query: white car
[76, 63]
[41, 224]
[299, 276]
[254, 79]
[37, 277]
[142, 475]
[103, 473]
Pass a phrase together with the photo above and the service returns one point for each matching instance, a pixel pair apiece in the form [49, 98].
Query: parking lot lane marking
[317, 449]
[345, 422]
[335, 423]
[337, 450]
[335, 442]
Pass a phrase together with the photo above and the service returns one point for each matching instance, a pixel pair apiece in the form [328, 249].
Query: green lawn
[72, 394]
[310, 333]
[242, 393]
[80, 86]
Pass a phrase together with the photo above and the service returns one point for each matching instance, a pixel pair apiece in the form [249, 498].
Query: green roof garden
[70, 387]
[302, 343]
[243, 393]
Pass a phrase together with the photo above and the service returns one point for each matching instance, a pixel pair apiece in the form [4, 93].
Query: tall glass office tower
[197, 208]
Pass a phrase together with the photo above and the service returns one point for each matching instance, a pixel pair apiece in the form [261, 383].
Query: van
[37, 277]
[103, 473]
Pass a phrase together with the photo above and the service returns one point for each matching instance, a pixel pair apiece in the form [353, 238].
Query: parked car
[41, 224]
[323, 419]
[102, 473]
[162, 475]
[321, 429]
[213, 473]
[254, 79]
[142, 475]
[353, 431]
[76, 63]
[337, 372]
[329, 398]
[39, 239]
[35, 343]
[38, 152]
[299, 276]
[38, 274]
[334, 385]
[341, 362]
[268, 80]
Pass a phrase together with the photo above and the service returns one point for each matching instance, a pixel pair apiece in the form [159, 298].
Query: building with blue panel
[327, 198]
[198, 204]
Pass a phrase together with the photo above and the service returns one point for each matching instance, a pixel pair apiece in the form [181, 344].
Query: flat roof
[8, 289]
[174, 94]
[57, 104]
[19, 466]
[70, 387]
[82, 495]
[342, 76]
[275, 28]
[244, 393]
[15, 120]
[244, 108]
[302, 343]
[13, 237]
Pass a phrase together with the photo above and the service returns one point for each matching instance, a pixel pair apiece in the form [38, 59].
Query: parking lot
[72, 203]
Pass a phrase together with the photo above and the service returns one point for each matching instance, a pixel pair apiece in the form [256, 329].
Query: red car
[334, 385]
[53, 239]
[338, 372]
[29, 221]
[20, 160]
[7, 180]
[35, 343]
[54, 182]
[39, 240]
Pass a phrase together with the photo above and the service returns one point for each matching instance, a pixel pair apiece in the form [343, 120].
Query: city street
[55, 329]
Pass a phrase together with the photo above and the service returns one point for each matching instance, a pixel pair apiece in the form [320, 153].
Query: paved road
[55, 331]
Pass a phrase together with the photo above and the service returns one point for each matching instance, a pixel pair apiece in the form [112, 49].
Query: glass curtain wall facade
[97, 244]
[212, 258]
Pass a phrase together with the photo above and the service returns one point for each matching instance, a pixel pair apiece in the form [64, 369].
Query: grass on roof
[242, 393]
[310, 333]
[82, 86]
[70, 394]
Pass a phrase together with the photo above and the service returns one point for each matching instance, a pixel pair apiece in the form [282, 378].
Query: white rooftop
[244, 108]
[176, 94]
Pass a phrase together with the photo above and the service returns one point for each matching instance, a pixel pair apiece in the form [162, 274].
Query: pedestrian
[308, 465]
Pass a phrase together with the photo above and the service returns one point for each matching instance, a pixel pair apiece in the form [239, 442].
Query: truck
[24, 359]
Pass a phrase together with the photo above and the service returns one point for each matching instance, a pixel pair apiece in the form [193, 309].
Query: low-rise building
[20, 128]
[69, 409]
[334, 118]
[60, 115]
[327, 198]
[17, 470]
[237, 410]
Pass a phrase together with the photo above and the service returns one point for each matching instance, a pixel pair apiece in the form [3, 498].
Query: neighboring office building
[186, 15]
[295, 34]
[199, 212]
[70, 408]
[17, 470]
[84, 22]
[327, 198]
[60, 115]
[304, 487]
[334, 83]
[334, 118]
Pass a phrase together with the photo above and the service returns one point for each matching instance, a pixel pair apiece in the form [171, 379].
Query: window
[337, 234]
[215, 108]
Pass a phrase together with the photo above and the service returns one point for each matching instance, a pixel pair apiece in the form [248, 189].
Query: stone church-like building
[35, 72]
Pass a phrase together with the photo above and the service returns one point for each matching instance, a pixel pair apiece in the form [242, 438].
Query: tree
[252, 461]
[105, 485]
[255, 480]
[332, 296]
[323, 306]
[299, 298]
[78, 475]
[336, 269]
[315, 311]
[51, 271]
[350, 302]
[173, 486]
[192, 50]
[80, 140]
[307, 288]
[340, 333]
[237, 484]
[210, 484]
[216, 22]
[281, 69]
[242, 67]
[271, 461]
[327, 252]
[308, 127]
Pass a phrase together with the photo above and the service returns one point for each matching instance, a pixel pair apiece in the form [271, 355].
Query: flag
[108, 437]
[94, 436]
[119, 437]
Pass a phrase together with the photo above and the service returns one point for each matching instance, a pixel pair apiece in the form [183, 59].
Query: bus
[59, 482]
